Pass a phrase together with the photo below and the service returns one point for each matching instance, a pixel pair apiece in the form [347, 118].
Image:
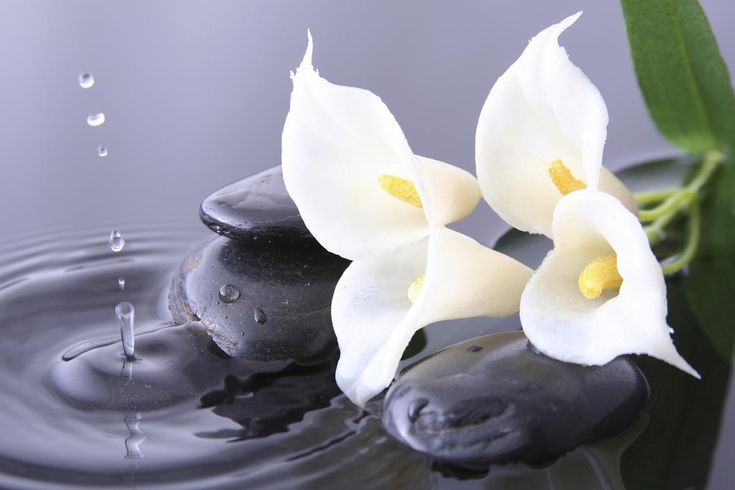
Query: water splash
[90, 345]
[125, 313]
[116, 242]
[102, 151]
[96, 119]
[86, 80]
[121, 283]
[229, 293]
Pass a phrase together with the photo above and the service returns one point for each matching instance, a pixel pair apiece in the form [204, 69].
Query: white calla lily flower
[541, 134]
[379, 303]
[600, 292]
[348, 167]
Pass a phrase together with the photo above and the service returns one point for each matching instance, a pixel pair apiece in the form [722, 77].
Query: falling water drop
[86, 80]
[259, 316]
[121, 283]
[102, 151]
[96, 119]
[229, 293]
[125, 313]
[116, 242]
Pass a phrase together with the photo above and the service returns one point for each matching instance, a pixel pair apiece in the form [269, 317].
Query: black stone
[255, 208]
[505, 403]
[260, 300]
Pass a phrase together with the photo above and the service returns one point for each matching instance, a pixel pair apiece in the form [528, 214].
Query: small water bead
[121, 283]
[125, 313]
[102, 151]
[96, 119]
[117, 242]
[86, 80]
[259, 316]
[229, 293]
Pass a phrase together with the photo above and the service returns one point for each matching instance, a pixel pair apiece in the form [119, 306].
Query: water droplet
[121, 283]
[259, 316]
[102, 151]
[96, 119]
[86, 80]
[229, 293]
[415, 407]
[117, 242]
[125, 313]
[474, 348]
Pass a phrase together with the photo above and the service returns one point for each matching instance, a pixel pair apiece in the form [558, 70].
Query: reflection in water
[132, 443]
[268, 403]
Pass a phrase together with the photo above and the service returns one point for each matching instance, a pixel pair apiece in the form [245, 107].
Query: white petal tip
[306, 62]
[669, 354]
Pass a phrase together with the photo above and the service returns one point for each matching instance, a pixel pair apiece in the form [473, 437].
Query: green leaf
[683, 78]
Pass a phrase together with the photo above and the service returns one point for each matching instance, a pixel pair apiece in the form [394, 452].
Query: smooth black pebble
[255, 208]
[505, 402]
[258, 300]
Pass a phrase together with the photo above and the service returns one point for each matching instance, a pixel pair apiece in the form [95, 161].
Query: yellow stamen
[600, 274]
[399, 188]
[415, 288]
[564, 179]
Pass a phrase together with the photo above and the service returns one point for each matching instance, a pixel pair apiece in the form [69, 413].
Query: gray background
[195, 93]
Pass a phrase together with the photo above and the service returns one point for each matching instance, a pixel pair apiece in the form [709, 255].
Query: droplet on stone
[116, 242]
[86, 80]
[102, 151]
[415, 407]
[259, 316]
[229, 293]
[264, 273]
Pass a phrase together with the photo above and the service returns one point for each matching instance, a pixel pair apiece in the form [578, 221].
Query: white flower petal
[336, 142]
[543, 108]
[563, 324]
[610, 184]
[452, 193]
[374, 320]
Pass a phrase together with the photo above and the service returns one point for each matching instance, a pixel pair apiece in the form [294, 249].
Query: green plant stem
[653, 197]
[672, 204]
[692, 243]
[680, 198]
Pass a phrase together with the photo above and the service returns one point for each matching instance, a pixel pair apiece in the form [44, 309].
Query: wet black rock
[255, 208]
[495, 399]
[260, 300]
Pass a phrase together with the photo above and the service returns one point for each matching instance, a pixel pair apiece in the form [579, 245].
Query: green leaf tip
[681, 73]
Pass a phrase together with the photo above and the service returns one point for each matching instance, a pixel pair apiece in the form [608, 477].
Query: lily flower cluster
[365, 196]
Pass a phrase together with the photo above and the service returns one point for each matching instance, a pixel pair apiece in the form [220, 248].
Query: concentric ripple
[182, 415]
